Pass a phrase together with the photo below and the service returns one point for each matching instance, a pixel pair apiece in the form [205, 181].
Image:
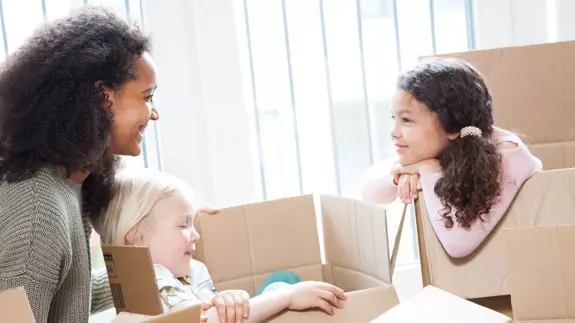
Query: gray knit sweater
[44, 246]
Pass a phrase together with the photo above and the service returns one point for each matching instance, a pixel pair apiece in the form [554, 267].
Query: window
[322, 74]
[18, 19]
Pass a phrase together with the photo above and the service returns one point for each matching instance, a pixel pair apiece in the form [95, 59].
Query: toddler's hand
[232, 306]
[310, 294]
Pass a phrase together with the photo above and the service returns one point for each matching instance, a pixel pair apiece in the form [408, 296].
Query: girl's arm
[518, 165]
[377, 184]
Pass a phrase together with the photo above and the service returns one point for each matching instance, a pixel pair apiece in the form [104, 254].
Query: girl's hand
[407, 178]
[408, 187]
[232, 306]
[312, 294]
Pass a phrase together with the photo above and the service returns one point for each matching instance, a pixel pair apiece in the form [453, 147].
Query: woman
[447, 146]
[77, 93]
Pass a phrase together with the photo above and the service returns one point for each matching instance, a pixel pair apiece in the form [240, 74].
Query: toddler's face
[172, 238]
[416, 131]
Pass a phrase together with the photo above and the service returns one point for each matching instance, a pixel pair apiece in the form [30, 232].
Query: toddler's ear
[131, 238]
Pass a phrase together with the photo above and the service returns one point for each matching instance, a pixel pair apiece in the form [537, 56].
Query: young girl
[154, 209]
[447, 146]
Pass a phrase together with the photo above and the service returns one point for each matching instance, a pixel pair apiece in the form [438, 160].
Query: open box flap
[433, 305]
[255, 239]
[356, 237]
[14, 306]
[132, 279]
[541, 269]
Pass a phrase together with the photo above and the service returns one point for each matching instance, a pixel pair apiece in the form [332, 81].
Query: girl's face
[171, 236]
[132, 108]
[416, 131]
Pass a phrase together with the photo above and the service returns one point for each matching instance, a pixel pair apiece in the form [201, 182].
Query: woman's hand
[207, 209]
[232, 306]
[311, 294]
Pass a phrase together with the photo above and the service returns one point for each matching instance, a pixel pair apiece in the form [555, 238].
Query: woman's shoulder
[44, 188]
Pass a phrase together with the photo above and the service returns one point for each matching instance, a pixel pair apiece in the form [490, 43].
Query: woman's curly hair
[53, 108]
[457, 93]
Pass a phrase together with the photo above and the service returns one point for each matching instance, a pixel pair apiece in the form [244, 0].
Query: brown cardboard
[537, 102]
[188, 315]
[541, 266]
[433, 305]
[127, 284]
[14, 307]
[546, 199]
[326, 238]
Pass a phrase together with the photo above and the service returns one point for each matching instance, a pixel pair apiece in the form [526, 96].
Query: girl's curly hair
[457, 93]
[53, 109]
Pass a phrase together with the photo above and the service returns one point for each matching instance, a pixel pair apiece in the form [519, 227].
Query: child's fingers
[207, 305]
[413, 182]
[246, 305]
[220, 304]
[239, 308]
[230, 309]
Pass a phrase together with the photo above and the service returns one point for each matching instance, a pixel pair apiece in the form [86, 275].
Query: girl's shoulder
[518, 161]
[504, 138]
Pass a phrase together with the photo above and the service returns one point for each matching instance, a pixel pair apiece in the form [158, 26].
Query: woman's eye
[406, 120]
[149, 98]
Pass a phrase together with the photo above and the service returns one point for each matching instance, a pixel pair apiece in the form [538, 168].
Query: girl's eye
[149, 98]
[405, 120]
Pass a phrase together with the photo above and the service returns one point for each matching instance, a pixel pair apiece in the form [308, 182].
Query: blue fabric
[284, 276]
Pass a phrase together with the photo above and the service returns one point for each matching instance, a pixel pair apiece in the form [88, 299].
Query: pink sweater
[518, 165]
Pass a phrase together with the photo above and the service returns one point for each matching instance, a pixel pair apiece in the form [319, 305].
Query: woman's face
[132, 108]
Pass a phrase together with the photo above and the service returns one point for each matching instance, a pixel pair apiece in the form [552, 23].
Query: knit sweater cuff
[101, 293]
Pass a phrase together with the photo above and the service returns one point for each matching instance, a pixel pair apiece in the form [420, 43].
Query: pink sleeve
[377, 185]
[518, 165]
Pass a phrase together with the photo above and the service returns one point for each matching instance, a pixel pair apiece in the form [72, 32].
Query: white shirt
[173, 290]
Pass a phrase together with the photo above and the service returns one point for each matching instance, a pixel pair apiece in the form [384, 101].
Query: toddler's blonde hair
[138, 191]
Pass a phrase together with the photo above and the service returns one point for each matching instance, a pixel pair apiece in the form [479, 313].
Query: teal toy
[279, 276]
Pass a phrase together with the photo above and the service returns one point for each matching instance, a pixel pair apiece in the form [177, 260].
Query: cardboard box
[14, 307]
[433, 305]
[326, 238]
[537, 102]
[541, 266]
[544, 200]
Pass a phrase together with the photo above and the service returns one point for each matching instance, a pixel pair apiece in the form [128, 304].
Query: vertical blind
[320, 76]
